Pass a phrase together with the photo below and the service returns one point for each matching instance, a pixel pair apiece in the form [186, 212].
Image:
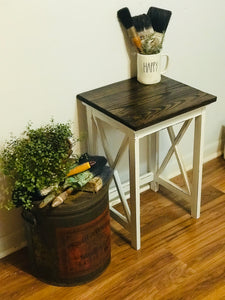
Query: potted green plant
[36, 160]
[68, 244]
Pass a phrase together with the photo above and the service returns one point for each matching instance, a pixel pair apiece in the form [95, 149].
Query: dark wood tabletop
[138, 106]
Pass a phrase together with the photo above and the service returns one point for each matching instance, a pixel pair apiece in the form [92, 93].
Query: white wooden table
[144, 110]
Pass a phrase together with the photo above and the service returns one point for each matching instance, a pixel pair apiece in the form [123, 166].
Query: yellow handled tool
[81, 168]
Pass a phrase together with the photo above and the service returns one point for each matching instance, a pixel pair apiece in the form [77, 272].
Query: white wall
[51, 50]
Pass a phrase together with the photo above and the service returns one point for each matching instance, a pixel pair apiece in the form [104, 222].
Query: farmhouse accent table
[140, 110]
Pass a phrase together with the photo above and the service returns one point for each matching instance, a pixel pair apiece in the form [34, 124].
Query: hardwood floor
[180, 257]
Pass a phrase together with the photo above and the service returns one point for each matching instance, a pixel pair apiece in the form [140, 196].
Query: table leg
[154, 159]
[197, 165]
[134, 192]
[92, 132]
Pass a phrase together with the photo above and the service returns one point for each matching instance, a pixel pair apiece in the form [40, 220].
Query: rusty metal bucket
[70, 244]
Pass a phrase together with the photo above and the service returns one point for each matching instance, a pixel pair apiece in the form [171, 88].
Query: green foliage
[36, 160]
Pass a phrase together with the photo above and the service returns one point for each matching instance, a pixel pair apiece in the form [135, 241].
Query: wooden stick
[62, 197]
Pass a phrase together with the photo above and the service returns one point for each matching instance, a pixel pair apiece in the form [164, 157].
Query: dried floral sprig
[151, 44]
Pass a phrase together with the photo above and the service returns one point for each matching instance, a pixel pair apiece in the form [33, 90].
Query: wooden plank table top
[138, 106]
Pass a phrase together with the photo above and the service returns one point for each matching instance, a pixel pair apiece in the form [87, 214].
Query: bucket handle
[29, 217]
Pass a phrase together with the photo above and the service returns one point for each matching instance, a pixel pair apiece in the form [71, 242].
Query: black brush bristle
[147, 21]
[142, 22]
[137, 24]
[125, 17]
[160, 18]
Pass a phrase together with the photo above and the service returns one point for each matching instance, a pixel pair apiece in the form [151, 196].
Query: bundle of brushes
[146, 31]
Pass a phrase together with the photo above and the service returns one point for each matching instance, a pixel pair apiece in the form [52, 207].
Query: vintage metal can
[70, 244]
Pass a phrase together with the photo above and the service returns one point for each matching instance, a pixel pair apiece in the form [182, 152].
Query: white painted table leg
[92, 132]
[154, 159]
[197, 165]
[134, 193]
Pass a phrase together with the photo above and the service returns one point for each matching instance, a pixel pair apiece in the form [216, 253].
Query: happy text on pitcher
[150, 67]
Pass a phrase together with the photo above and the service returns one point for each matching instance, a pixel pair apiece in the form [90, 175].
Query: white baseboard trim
[212, 156]
[12, 243]
[146, 178]
[144, 185]
[213, 150]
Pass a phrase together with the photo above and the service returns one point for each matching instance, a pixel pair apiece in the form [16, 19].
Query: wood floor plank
[180, 259]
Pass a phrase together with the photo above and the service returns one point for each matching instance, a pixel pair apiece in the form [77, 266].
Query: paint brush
[62, 197]
[160, 19]
[143, 25]
[125, 18]
[81, 168]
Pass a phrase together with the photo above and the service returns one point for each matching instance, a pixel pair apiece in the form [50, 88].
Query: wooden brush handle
[78, 169]
[135, 38]
[62, 197]
[137, 42]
